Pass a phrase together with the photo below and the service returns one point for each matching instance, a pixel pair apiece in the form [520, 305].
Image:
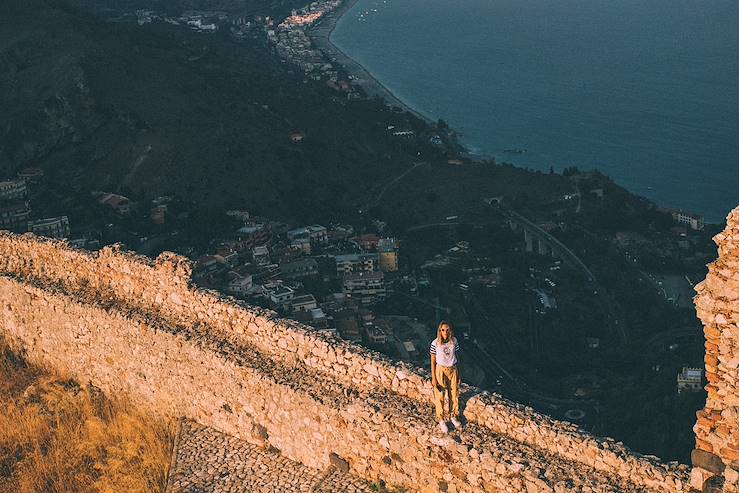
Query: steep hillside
[56, 435]
[160, 109]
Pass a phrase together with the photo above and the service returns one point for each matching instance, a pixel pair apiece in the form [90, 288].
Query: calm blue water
[647, 91]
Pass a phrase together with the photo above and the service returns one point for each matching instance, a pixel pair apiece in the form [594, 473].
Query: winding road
[565, 253]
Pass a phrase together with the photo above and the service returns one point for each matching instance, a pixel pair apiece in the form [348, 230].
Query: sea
[646, 91]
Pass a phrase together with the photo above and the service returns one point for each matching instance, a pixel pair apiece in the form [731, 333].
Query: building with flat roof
[52, 227]
[241, 285]
[387, 249]
[356, 262]
[375, 335]
[31, 175]
[301, 267]
[690, 379]
[13, 189]
[281, 295]
[367, 287]
[305, 303]
[693, 221]
[368, 242]
[205, 265]
[14, 216]
[252, 235]
[315, 233]
[260, 255]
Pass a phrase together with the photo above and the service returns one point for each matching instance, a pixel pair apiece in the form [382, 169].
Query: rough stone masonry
[716, 455]
[130, 324]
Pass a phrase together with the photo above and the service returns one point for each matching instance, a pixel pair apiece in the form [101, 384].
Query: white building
[693, 221]
[690, 379]
[306, 303]
[367, 287]
[240, 285]
[281, 295]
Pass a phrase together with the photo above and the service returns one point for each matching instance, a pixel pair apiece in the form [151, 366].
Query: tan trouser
[447, 377]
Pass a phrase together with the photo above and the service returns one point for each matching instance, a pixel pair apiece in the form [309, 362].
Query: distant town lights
[302, 20]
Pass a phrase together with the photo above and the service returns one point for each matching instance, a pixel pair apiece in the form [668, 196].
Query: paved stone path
[208, 461]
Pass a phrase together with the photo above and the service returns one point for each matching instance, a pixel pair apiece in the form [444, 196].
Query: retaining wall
[130, 324]
[716, 455]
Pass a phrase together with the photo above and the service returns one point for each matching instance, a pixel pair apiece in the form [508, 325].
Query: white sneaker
[443, 427]
[457, 424]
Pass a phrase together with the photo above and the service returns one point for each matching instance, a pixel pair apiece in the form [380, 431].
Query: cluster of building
[293, 44]
[15, 207]
[203, 21]
[270, 263]
[122, 205]
[289, 37]
[16, 213]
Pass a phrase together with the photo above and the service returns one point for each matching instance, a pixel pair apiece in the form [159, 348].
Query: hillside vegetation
[159, 109]
[56, 436]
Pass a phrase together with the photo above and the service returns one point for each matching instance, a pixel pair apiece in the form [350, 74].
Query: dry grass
[58, 437]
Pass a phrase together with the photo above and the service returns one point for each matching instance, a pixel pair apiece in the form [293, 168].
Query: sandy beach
[321, 34]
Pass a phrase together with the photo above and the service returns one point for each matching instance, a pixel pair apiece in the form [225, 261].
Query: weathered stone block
[714, 484]
[708, 461]
[339, 463]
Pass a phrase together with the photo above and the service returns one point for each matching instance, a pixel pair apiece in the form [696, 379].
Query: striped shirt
[446, 354]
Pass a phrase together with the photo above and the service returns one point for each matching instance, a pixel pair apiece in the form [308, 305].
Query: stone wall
[130, 324]
[716, 457]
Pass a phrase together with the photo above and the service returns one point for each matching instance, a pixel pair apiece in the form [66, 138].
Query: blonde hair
[438, 331]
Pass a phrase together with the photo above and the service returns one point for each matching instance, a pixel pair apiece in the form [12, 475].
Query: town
[509, 287]
[289, 38]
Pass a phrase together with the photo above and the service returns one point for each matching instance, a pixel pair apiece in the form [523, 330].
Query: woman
[445, 375]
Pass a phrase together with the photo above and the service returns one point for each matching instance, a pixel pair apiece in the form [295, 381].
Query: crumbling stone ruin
[716, 454]
[130, 324]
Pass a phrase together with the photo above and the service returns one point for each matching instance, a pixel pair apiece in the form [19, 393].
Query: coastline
[320, 35]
